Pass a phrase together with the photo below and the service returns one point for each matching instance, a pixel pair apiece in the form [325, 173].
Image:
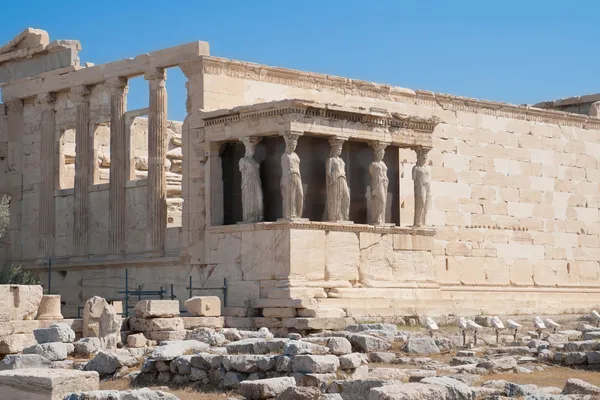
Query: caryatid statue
[338, 194]
[252, 196]
[379, 184]
[291, 180]
[422, 184]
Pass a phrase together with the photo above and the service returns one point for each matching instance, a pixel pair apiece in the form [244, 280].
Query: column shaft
[84, 164]
[118, 163]
[157, 185]
[47, 175]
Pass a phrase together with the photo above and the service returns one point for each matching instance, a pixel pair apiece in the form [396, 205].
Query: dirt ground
[183, 394]
[551, 376]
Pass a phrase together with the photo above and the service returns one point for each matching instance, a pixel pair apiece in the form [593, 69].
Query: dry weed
[182, 394]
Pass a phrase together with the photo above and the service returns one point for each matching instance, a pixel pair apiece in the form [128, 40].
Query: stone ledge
[319, 225]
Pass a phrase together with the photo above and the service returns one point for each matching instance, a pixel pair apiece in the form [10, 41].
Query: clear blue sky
[513, 51]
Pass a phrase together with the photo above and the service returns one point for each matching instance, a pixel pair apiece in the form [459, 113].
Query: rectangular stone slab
[45, 384]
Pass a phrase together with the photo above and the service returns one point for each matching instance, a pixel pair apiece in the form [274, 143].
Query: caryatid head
[291, 141]
[336, 147]
[421, 156]
[250, 143]
[379, 150]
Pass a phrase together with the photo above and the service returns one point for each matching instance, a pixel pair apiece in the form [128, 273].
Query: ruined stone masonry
[505, 218]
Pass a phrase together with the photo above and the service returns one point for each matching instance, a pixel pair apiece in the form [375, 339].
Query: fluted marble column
[84, 169]
[46, 217]
[118, 165]
[157, 184]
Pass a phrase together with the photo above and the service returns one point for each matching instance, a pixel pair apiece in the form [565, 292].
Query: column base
[342, 222]
[288, 220]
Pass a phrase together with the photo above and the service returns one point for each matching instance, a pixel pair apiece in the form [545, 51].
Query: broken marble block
[19, 302]
[157, 308]
[45, 384]
[204, 306]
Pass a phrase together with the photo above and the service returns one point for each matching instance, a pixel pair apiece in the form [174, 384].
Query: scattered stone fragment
[55, 333]
[56, 351]
[456, 389]
[369, 344]
[87, 346]
[356, 389]
[265, 388]
[421, 346]
[172, 350]
[137, 341]
[350, 361]
[203, 306]
[577, 386]
[393, 374]
[315, 364]
[106, 363]
[499, 364]
[296, 347]
[339, 346]
[409, 391]
[157, 308]
[300, 393]
[381, 357]
[22, 361]
[416, 375]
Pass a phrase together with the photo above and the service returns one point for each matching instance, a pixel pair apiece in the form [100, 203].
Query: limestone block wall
[515, 189]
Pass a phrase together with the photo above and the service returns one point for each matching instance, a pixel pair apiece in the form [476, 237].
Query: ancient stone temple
[313, 195]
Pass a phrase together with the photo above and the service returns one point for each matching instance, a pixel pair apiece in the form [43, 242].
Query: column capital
[80, 94]
[379, 144]
[116, 85]
[46, 101]
[156, 74]
[251, 140]
[14, 105]
[337, 140]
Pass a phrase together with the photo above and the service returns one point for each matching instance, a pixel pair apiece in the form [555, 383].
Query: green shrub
[15, 275]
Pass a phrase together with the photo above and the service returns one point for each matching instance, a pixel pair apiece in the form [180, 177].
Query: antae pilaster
[119, 160]
[46, 217]
[157, 185]
[84, 169]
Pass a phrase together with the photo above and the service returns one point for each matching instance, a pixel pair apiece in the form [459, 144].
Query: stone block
[342, 256]
[162, 336]
[204, 306]
[156, 324]
[157, 308]
[321, 313]
[19, 302]
[45, 384]
[137, 340]
[55, 333]
[191, 323]
[16, 343]
[315, 364]
[22, 361]
[279, 312]
[56, 351]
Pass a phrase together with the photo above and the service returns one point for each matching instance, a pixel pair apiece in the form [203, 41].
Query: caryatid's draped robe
[422, 188]
[252, 196]
[338, 194]
[379, 188]
[291, 186]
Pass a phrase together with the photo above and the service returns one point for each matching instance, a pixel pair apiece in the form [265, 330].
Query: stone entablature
[318, 119]
[244, 70]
